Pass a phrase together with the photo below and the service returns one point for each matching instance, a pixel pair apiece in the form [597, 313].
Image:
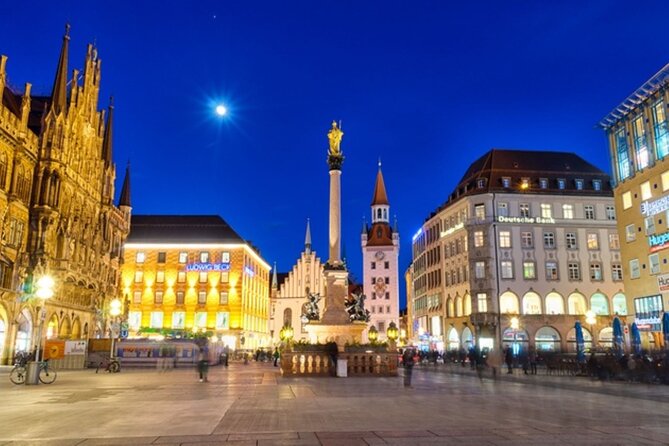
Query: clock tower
[380, 255]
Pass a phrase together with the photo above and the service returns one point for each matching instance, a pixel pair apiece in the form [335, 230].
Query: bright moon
[221, 110]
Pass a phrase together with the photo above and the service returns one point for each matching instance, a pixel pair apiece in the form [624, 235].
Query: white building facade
[380, 260]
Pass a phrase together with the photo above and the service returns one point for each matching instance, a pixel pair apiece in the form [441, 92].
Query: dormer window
[543, 183]
[597, 184]
[561, 183]
[480, 183]
[524, 183]
[579, 184]
[506, 182]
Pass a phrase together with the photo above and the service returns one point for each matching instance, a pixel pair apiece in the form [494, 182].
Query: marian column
[335, 160]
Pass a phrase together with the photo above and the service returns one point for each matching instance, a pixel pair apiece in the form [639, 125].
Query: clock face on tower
[379, 255]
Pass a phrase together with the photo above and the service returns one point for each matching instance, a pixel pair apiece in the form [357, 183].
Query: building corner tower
[380, 254]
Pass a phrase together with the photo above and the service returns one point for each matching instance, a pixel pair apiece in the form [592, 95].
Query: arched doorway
[599, 304]
[576, 304]
[547, 339]
[52, 327]
[571, 340]
[531, 303]
[605, 338]
[25, 330]
[518, 339]
[467, 338]
[554, 304]
[620, 304]
[508, 303]
[453, 339]
[76, 329]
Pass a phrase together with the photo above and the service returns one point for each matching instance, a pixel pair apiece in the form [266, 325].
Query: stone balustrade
[321, 364]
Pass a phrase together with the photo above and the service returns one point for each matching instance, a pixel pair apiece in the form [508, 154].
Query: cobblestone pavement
[254, 405]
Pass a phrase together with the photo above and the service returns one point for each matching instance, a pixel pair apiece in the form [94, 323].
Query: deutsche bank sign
[208, 267]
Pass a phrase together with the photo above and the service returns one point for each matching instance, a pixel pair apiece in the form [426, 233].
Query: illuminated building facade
[289, 292]
[638, 133]
[57, 214]
[380, 263]
[195, 273]
[524, 246]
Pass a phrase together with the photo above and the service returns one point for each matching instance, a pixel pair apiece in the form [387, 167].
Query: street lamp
[591, 319]
[286, 333]
[44, 291]
[373, 334]
[392, 332]
[115, 310]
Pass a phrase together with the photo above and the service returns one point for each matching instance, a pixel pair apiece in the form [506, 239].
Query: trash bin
[32, 373]
[342, 366]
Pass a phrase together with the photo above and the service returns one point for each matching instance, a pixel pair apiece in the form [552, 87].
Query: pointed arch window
[3, 170]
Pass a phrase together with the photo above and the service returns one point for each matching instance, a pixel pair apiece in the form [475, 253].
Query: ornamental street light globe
[221, 110]
[115, 307]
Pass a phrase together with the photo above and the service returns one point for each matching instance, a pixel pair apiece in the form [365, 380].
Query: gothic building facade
[57, 211]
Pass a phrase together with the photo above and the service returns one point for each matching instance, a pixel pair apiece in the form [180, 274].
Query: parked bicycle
[111, 365]
[46, 374]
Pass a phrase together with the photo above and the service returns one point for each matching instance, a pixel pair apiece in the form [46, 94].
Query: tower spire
[124, 199]
[307, 239]
[380, 197]
[59, 92]
[107, 140]
[275, 282]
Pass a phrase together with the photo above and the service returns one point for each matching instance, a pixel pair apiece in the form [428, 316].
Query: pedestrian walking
[203, 365]
[508, 358]
[408, 362]
[277, 355]
[532, 356]
[525, 360]
[495, 361]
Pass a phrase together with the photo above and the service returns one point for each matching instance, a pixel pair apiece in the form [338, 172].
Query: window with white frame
[570, 240]
[201, 319]
[646, 193]
[561, 183]
[180, 297]
[543, 183]
[225, 257]
[183, 257]
[506, 182]
[524, 209]
[223, 298]
[617, 272]
[635, 272]
[134, 320]
[204, 257]
[222, 320]
[579, 184]
[630, 233]
[482, 302]
[507, 269]
[479, 211]
[574, 271]
[158, 297]
[529, 270]
[595, 271]
[597, 185]
[654, 263]
[478, 239]
[650, 225]
[479, 270]
[178, 319]
[156, 319]
[503, 209]
[160, 276]
[589, 211]
[202, 277]
[549, 240]
[627, 200]
[568, 211]
[526, 239]
[665, 180]
[552, 271]
[504, 239]
[140, 257]
[610, 213]
[137, 297]
[546, 210]
[614, 241]
[225, 277]
[202, 297]
[593, 240]
[181, 276]
[139, 276]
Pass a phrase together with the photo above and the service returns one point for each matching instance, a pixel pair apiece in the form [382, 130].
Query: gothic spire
[107, 140]
[124, 199]
[307, 239]
[59, 92]
[380, 196]
[275, 282]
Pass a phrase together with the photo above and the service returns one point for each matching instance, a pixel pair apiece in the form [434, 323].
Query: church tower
[380, 262]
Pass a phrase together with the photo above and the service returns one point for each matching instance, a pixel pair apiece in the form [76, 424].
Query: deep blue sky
[428, 86]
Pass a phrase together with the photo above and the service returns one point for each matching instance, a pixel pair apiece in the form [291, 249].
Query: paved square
[254, 405]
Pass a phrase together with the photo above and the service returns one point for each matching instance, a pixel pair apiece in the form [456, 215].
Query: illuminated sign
[208, 267]
[650, 208]
[658, 242]
[450, 231]
[648, 312]
[526, 220]
[663, 283]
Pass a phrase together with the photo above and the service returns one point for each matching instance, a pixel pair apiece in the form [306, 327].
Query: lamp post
[44, 292]
[392, 333]
[373, 334]
[115, 311]
[286, 334]
[591, 319]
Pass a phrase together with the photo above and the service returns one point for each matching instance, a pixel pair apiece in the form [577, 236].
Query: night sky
[427, 86]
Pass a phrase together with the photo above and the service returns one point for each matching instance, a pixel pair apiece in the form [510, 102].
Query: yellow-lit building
[638, 133]
[186, 273]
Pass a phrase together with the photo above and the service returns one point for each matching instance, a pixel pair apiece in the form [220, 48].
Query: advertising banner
[76, 347]
[663, 283]
[54, 349]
